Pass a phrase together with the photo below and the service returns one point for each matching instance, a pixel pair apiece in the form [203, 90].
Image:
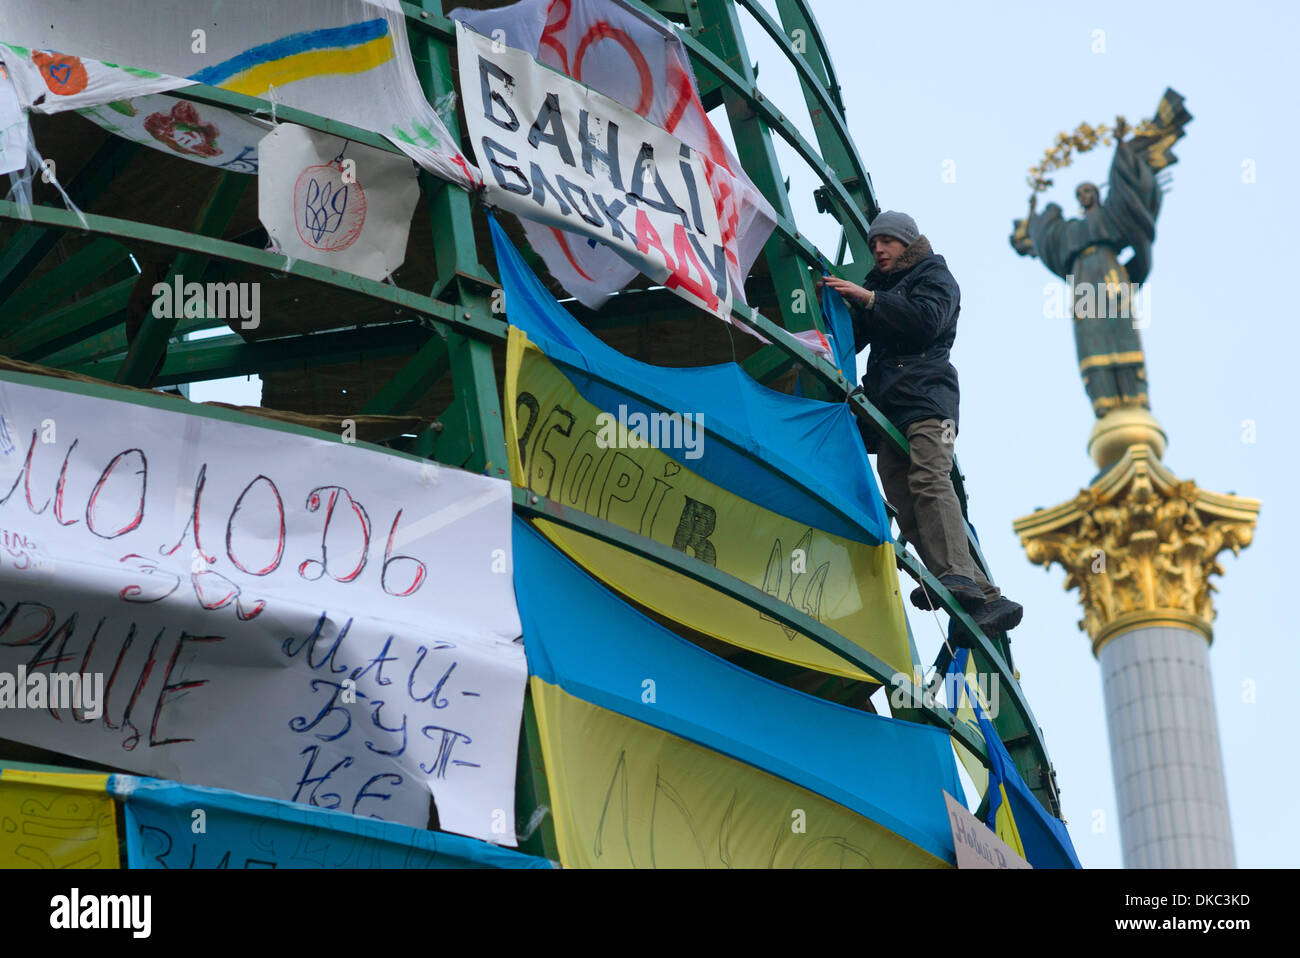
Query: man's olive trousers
[929, 515]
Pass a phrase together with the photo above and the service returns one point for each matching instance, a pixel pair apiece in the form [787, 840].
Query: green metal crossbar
[150, 343]
[223, 357]
[62, 281]
[25, 252]
[480, 327]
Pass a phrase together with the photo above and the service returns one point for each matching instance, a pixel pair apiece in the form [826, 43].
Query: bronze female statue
[1085, 252]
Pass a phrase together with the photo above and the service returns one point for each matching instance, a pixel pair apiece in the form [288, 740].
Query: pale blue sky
[989, 86]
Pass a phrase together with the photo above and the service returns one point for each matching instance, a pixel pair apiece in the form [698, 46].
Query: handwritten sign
[641, 62]
[169, 825]
[977, 846]
[54, 820]
[327, 200]
[561, 154]
[271, 613]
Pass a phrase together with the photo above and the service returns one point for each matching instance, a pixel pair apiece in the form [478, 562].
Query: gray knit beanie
[898, 225]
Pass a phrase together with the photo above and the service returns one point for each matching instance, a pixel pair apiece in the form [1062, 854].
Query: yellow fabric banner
[56, 820]
[628, 795]
[552, 437]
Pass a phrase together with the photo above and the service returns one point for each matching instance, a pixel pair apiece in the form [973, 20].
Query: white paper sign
[560, 153]
[267, 612]
[330, 201]
[976, 844]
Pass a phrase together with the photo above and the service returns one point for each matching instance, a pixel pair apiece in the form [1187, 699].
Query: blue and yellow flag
[1014, 814]
[970, 708]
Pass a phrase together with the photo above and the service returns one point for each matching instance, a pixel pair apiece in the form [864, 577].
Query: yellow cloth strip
[628, 795]
[85, 781]
[56, 820]
[302, 66]
[850, 587]
[1006, 824]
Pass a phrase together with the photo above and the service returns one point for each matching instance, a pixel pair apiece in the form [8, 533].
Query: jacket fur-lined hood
[912, 256]
[914, 253]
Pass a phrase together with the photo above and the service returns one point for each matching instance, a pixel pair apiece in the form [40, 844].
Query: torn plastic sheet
[20, 190]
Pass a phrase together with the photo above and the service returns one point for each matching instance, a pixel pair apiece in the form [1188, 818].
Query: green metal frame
[455, 330]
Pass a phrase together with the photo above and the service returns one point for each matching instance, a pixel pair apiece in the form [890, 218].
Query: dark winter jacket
[910, 329]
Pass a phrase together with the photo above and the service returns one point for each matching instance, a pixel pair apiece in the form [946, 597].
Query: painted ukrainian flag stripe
[337, 50]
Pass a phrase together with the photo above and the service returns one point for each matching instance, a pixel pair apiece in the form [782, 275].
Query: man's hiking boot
[1000, 615]
[964, 590]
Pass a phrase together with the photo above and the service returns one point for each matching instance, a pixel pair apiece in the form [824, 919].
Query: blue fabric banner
[165, 830]
[798, 457]
[839, 327]
[889, 771]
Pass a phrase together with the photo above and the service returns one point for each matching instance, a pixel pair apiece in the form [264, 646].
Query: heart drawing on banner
[63, 74]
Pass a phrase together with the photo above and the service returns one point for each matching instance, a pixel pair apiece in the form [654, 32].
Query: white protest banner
[196, 131]
[264, 611]
[14, 129]
[49, 82]
[638, 60]
[348, 60]
[330, 201]
[566, 156]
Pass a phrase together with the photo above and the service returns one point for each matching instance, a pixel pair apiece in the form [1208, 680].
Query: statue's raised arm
[1133, 201]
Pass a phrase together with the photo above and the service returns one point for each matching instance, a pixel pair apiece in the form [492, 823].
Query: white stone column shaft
[1165, 752]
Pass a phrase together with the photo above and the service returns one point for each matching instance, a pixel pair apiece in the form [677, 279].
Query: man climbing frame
[906, 311]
